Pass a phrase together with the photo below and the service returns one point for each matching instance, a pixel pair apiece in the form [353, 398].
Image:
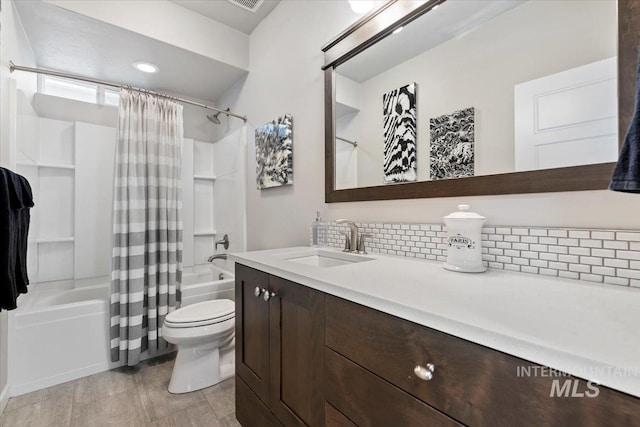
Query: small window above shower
[79, 91]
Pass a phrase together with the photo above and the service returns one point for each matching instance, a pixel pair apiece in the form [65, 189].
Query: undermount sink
[324, 259]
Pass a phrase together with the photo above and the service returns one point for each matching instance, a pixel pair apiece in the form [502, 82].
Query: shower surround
[70, 163]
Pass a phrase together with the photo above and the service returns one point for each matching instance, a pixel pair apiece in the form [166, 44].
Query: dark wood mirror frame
[380, 23]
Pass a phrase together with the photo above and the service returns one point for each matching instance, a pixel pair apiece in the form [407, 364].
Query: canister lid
[463, 213]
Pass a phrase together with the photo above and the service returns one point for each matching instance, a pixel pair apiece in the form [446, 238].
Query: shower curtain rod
[354, 143]
[13, 67]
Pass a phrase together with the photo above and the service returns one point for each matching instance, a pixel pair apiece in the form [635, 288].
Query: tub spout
[217, 256]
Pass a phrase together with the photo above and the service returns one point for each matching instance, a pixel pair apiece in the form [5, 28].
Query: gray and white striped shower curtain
[147, 224]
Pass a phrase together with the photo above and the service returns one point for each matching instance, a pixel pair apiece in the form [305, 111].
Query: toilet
[204, 334]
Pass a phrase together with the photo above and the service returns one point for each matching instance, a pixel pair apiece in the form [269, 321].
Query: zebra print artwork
[274, 153]
[452, 145]
[399, 110]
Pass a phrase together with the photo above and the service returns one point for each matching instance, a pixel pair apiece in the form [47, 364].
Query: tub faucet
[352, 239]
[217, 256]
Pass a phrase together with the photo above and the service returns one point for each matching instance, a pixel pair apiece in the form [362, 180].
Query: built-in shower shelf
[205, 233]
[55, 240]
[204, 177]
[48, 165]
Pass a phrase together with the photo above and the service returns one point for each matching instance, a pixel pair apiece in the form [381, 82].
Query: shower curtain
[147, 225]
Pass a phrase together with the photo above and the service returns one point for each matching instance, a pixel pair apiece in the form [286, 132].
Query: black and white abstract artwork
[452, 145]
[399, 112]
[274, 153]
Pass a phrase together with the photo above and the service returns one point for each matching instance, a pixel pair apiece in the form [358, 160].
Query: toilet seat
[201, 314]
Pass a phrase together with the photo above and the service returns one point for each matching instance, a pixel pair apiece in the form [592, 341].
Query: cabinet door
[297, 341]
[252, 331]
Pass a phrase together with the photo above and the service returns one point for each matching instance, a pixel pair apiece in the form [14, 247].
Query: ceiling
[451, 19]
[74, 43]
[229, 14]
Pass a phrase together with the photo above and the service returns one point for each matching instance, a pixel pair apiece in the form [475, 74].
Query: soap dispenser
[464, 241]
[318, 232]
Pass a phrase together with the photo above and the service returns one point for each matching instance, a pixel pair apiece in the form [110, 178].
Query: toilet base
[200, 366]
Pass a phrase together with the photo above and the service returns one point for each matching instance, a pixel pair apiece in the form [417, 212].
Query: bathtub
[60, 331]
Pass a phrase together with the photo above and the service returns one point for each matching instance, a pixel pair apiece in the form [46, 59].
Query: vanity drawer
[335, 418]
[475, 385]
[368, 400]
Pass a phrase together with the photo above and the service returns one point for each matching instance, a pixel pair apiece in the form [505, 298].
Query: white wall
[463, 72]
[286, 77]
[13, 46]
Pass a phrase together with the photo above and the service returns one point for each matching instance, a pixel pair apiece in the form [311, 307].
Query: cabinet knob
[257, 292]
[425, 373]
[268, 295]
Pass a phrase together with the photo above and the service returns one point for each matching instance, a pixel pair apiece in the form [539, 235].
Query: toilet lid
[203, 311]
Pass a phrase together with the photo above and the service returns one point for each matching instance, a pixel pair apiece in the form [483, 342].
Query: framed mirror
[446, 98]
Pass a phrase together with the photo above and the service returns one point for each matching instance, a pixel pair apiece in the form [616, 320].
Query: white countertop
[589, 330]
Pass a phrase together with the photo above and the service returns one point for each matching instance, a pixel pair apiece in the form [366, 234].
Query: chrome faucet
[352, 239]
[217, 256]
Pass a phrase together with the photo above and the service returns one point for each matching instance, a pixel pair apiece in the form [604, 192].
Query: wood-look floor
[124, 397]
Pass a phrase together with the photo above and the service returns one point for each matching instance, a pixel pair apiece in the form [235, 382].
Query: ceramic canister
[464, 231]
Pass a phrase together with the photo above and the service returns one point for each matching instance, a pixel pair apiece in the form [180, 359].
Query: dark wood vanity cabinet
[279, 351]
[312, 359]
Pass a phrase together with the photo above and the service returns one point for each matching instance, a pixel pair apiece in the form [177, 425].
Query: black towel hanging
[626, 176]
[16, 200]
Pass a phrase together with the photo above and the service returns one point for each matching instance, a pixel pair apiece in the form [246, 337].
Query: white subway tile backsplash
[580, 268]
[538, 247]
[579, 234]
[590, 260]
[573, 259]
[624, 235]
[620, 281]
[558, 233]
[603, 253]
[569, 242]
[580, 251]
[548, 240]
[619, 263]
[591, 277]
[609, 256]
[539, 263]
[569, 275]
[548, 272]
[559, 249]
[512, 267]
[559, 265]
[617, 244]
[590, 243]
[549, 256]
[603, 235]
[631, 274]
[605, 271]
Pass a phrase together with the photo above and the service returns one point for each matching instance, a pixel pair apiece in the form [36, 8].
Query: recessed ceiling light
[397, 30]
[361, 6]
[145, 67]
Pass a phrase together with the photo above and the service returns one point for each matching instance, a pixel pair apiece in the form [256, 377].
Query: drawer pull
[257, 292]
[268, 295]
[424, 373]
